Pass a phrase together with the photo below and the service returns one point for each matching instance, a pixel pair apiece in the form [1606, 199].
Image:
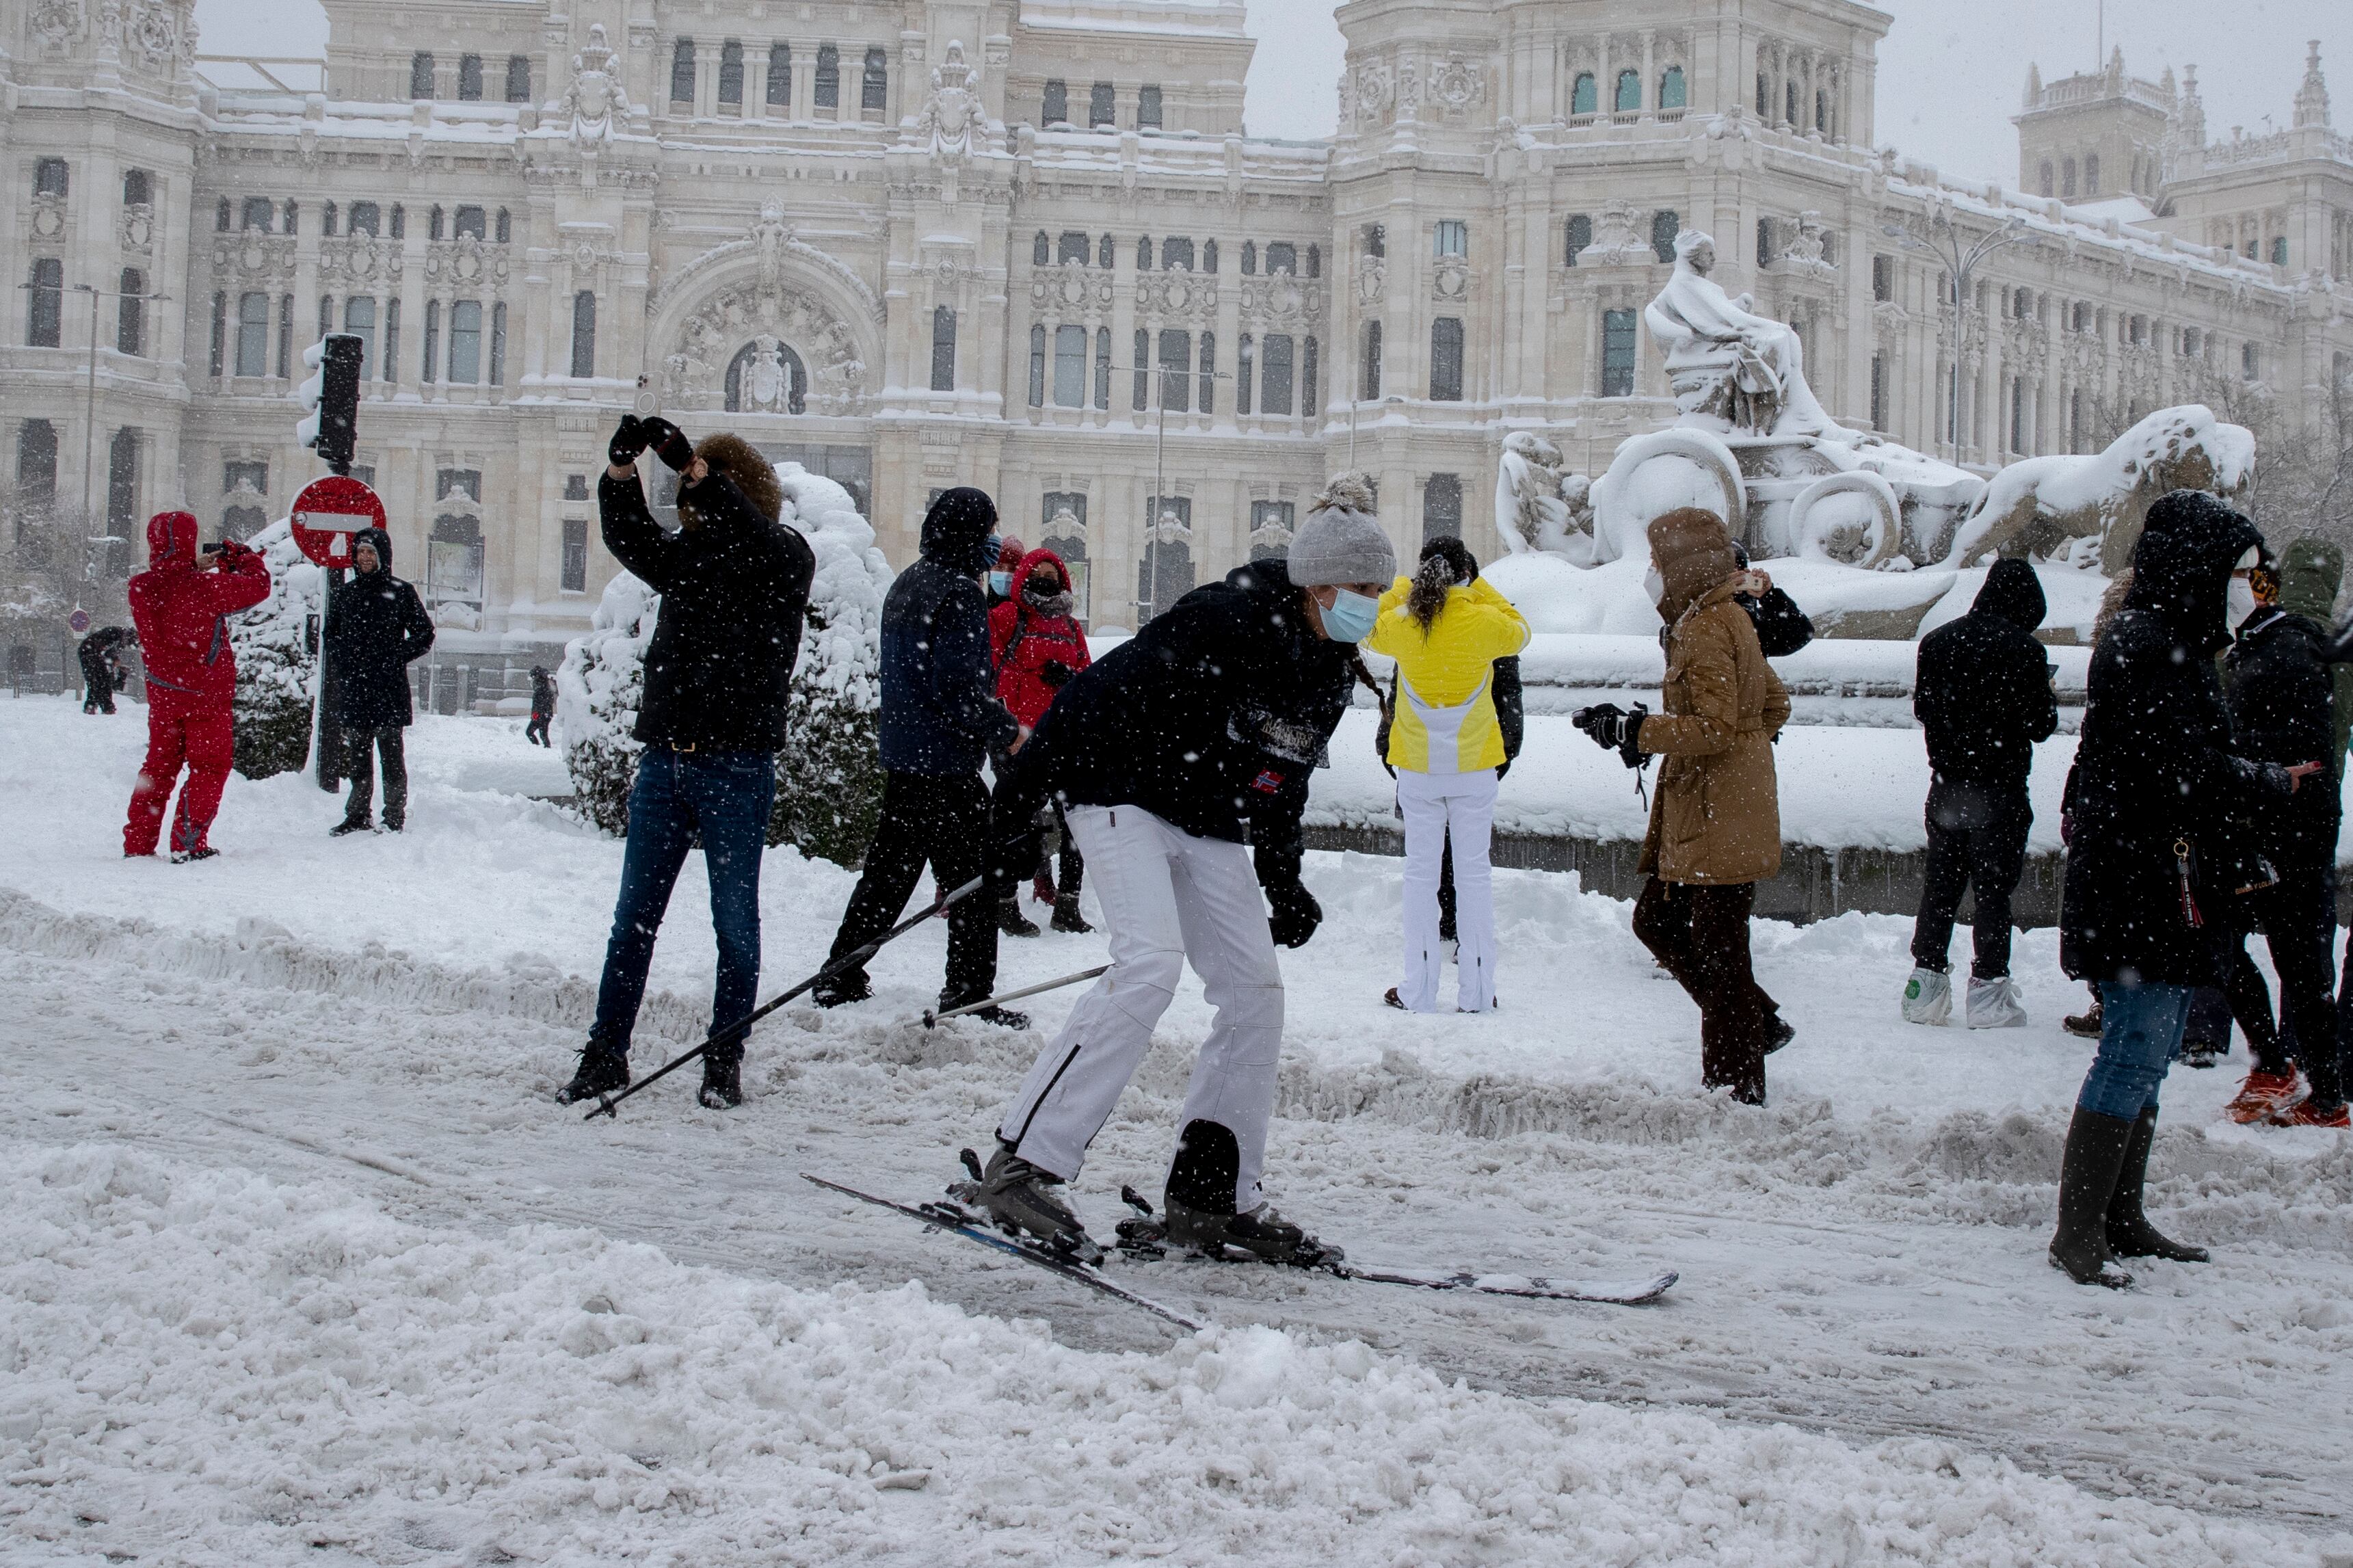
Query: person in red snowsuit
[1038, 645]
[181, 604]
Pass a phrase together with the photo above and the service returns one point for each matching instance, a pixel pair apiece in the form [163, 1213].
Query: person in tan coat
[1716, 820]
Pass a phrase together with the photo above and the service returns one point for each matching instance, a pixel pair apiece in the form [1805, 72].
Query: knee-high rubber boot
[2129, 1233]
[2087, 1179]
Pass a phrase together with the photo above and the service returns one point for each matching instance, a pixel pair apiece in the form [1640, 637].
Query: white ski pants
[1167, 896]
[1435, 806]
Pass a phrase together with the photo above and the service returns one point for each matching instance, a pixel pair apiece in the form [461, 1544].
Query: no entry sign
[79, 621]
[328, 512]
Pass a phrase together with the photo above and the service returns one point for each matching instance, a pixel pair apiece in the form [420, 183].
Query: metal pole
[1159, 501]
[90, 432]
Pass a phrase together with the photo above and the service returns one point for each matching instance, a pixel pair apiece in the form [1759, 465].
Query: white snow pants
[1167, 896]
[1434, 804]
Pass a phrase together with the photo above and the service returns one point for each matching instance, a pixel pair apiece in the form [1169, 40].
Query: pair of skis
[1142, 1240]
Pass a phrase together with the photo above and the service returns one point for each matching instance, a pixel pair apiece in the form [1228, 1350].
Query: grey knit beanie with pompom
[1342, 539]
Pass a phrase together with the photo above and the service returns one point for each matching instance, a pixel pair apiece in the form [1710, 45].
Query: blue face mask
[1350, 617]
[1001, 584]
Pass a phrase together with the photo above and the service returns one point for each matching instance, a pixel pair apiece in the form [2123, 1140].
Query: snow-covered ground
[296, 1261]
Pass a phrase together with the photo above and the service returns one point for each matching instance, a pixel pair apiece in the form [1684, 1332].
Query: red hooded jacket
[182, 614]
[1024, 642]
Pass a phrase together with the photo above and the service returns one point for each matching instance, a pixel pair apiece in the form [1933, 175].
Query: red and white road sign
[328, 512]
[79, 621]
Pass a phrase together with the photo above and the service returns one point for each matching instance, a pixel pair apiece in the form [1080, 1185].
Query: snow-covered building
[927, 242]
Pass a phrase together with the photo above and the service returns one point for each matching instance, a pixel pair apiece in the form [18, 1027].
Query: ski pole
[609, 1104]
[932, 1016]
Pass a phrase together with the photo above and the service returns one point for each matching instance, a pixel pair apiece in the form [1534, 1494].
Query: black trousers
[2296, 915]
[1976, 837]
[943, 821]
[96, 687]
[536, 731]
[1700, 933]
[388, 746]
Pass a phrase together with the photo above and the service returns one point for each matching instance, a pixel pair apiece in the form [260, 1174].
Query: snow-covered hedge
[829, 775]
[277, 672]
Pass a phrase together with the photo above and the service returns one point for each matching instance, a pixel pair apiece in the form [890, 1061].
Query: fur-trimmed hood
[740, 461]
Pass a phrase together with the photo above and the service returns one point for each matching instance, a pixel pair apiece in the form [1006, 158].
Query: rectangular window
[1617, 353]
[123, 484]
[1878, 392]
[1446, 360]
[2018, 415]
[49, 178]
[390, 358]
[1102, 106]
[366, 217]
[465, 342]
[682, 73]
[1275, 374]
[518, 78]
[943, 334]
[1271, 524]
[575, 554]
[1208, 372]
[829, 77]
[130, 314]
[220, 331]
[1147, 109]
[1071, 246]
[1450, 237]
[1103, 367]
[471, 220]
[1372, 376]
[780, 75]
[1056, 108]
[874, 88]
[1175, 253]
[469, 78]
[1246, 368]
[1442, 507]
[36, 460]
[1175, 365]
[1307, 359]
[1579, 235]
[420, 75]
[1070, 367]
[583, 334]
[44, 304]
[285, 334]
[499, 343]
[731, 73]
[1143, 371]
[253, 334]
[1038, 366]
[1882, 278]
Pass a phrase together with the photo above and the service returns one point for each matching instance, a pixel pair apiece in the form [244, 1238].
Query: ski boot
[1927, 997]
[1020, 1198]
[1198, 1209]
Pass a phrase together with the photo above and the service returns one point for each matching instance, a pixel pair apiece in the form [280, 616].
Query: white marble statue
[1725, 361]
[1537, 507]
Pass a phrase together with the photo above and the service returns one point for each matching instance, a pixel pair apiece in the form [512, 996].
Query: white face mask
[1654, 585]
[2242, 600]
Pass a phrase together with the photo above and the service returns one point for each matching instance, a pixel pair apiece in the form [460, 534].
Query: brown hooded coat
[1716, 817]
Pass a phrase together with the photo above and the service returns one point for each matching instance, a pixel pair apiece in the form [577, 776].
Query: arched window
[1671, 88]
[1144, 253]
[504, 232]
[1038, 367]
[1629, 91]
[327, 219]
[474, 221]
[220, 217]
[681, 74]
[2279, 250]
[780, 75]
[1664, 226]
[584, 333]
[1584, 98]
[829, 77]
[1314, 261]
[1275, 374]
[1249, 259]
[138, 189]
[1446, 360]
[1041, 251]
[130, 314]
[366, 218]
[874, 89]
[1056, 109]
[433, 223]
[766, 377]
[944, 342]
[1209, 256]
[1070, 367]
[1579, 235]
[1175, 253]
[731, 73]
[2092, 173]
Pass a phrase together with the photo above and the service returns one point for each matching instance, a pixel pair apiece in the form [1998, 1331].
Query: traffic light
[332, 396]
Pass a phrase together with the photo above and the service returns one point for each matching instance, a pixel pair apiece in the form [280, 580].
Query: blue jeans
[2140, 1030]
[724, 797]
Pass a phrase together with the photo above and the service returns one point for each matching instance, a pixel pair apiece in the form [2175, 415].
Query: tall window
[505, 230]
[1882, 278]
[2018, 415]
[258, 212]
[1209, 256]
[130, 314]
[1617, 353]
[432, 224]
[453, 561]
[365, 218]
[44, 304]
[2279, 250]
[1672, 93]
[432, 340]
[1056, 110]
[1041, 251]
[1282, 256]
[390, 358]
[1275, 374]
[138, 189]
[2092, 173]
[1038, 366]
[2250, 362]
[1763, 96]
[1308, 360]
[1144, 253]
[1245, 369]
[465, 342]
[575, 556]
[499, 343]
[285, 334]
[1103, 106]
[1208, 372]
[1584, 98]
[1376, 241]
[2048, 188]
[1315, 261]
[1764, 241]
[253, 334]
[420, 75]
[829, 77]
[1065, 533]
[1071, 246]
[1249, 259]
[1070, 367]
[682, 73]
[121, 494]
[1103, 367]
[469, 78]
[943, 329]
[1664, 226]
[1442, 507]
[780, 75]
[518, 78]
[1141, 397]
[1176, 362]
[1446, 360]
[1372, 379]
[1878, 392]
[1175, 253]
[37, 460]
[1450, 237]
[1629, 92]
[731, 73]
[1822, 110]
[1166, 574]
[1577, 235]
[1790, 104]
[471, 220]
[221, 216]
[874, 88]
[220, 331]
[1147, 109]
[1104, 255]
[584, 333]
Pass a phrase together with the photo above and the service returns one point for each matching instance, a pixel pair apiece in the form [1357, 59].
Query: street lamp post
[1960, 265]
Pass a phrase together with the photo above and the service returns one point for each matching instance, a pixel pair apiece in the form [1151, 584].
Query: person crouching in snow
[1715, 819]
[181, 606]
[734, 585]
[1181, 761]
[376, 627]
[1446, 743]
[1037, 646]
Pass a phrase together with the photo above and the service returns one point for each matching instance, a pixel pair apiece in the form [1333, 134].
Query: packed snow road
[301, 1262]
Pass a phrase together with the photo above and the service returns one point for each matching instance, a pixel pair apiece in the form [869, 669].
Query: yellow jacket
[1445, 721]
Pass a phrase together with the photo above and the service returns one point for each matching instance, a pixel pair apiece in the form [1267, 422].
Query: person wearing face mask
[2156, 780]
[1716, 818]
[1181, 760]
[1038, 646]
[1004, 569]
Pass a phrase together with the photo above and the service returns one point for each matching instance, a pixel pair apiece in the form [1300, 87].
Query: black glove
[1053, 673]
[630, 438]
[669, 442]
[1012, 860]
[1295, 914]
[1613, 728]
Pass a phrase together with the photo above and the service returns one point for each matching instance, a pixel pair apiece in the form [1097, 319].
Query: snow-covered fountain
[1874, 539]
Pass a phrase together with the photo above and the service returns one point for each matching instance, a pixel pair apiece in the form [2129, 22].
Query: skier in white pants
[1446, 626]
[1180, 760]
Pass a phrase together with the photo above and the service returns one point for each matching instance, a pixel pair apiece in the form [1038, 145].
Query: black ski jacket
[1782, 628]
[376, 627]
[734, 595]
[2156, 767]
[1211, 718]
[2281, 694]
[1982, 686]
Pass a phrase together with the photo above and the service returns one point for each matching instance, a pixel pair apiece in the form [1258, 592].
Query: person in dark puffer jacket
[735, 583]
[376, 627]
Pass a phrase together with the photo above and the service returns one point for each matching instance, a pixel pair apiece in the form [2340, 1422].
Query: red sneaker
[2305, 1113]
[2262, 1098]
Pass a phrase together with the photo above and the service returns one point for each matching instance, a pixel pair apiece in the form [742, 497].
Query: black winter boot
[1066, 914]
[2088, 1171]
[722, 1080]
[1011, 920]
[603, 1068]
[2129, 1233]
